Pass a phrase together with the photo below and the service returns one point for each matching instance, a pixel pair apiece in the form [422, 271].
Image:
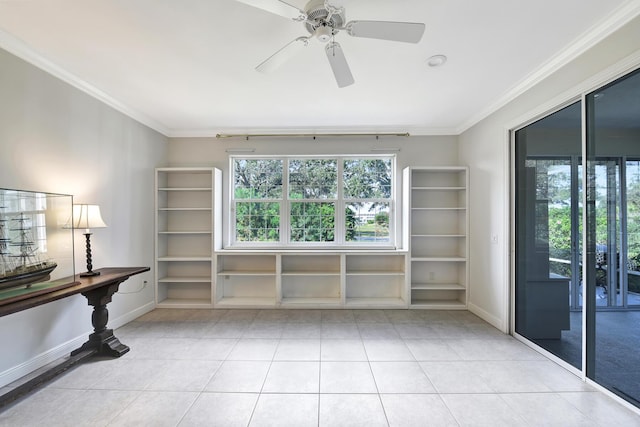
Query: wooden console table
[99, 291]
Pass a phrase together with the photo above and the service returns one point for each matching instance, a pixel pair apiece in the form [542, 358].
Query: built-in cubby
[438, 220]
[185, 224]
[375, 279]
[247, 281]
[311, 278]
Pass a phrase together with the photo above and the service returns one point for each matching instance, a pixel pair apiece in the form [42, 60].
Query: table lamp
[87, 217]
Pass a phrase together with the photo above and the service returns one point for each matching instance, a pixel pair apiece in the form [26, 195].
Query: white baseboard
[494, 321]
[132, 315]
[49, 356]
[63, 350]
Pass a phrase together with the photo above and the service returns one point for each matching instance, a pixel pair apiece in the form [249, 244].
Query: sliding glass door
[613, 171]
[548, 288]
[577, 235]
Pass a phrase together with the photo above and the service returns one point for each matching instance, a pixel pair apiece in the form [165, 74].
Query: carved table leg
[102, 341]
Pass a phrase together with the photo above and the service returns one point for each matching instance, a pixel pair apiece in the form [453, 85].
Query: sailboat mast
[6, 263]
[4, 250]
[24, 242]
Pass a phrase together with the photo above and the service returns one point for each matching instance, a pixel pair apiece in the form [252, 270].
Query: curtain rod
[307, 135]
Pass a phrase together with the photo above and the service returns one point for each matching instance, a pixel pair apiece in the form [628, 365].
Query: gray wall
[485, 148]
[55, 138]
[413, 151]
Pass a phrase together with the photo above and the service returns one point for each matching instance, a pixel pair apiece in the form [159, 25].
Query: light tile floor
[318, 367]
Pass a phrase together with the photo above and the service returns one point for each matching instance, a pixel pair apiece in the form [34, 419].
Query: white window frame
[285, 206]
[232, 204]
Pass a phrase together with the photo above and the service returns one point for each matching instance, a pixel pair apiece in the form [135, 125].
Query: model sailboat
[22, 266]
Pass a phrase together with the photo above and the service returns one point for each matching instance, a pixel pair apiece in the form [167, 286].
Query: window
[313, 195]
[258, 199]
[367, 194]
[316, 201]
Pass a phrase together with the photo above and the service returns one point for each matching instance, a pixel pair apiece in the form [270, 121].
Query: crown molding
[20, 49]
[587, 40]
[581, 44]
[574, 94]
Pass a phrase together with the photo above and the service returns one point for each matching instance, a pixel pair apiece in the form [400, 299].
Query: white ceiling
[186, 67]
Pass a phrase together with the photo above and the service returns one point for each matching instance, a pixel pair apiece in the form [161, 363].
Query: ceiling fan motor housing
[317, 23]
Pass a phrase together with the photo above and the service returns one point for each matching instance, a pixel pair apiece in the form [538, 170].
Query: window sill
[333, 250]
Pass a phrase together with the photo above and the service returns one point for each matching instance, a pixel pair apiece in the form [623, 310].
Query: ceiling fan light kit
[324, 21]
[323, 33]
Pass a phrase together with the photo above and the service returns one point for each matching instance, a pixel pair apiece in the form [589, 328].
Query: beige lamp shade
[87, 217]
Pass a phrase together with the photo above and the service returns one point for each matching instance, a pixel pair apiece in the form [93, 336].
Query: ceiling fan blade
[283, 55]
[339, 64]
[410, 32]
[277, 7]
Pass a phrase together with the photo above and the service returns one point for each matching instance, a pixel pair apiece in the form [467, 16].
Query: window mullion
[285, 210]
[339, 219]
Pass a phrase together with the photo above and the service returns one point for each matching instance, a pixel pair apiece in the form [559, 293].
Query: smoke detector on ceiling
[436, 60]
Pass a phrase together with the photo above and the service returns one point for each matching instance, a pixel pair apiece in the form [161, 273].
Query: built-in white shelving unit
[311, 278]
[194, 271]
[438, 222]
[186, 219]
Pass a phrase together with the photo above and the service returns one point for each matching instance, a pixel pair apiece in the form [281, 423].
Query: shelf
[246, 302]
[310, 273]
[438, 259]
[375, 273]
[183, 209]
[437, 286]
[376, 302]
[438, 304]
[306, 301]
[246, 273]
[184, 303]
[183, 258]
[185, 189]
[452, 208]
[440, 235]
[439, 188]
[186, 232]
[203, 279]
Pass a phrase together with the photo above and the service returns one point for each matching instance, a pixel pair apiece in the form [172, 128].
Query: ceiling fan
[323, 21]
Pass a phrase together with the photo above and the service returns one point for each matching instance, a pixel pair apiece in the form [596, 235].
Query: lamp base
[90, 274]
